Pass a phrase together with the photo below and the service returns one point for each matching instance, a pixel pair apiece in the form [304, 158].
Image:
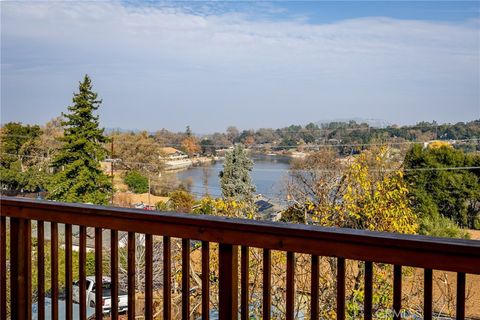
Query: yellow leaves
[331, 314]
[373, 198]
[310, 206]
[439, 144]
[190, 145]
[224, 207]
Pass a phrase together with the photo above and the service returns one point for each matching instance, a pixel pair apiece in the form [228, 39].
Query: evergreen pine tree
[235, 178]
[188, 132]
[79, 177]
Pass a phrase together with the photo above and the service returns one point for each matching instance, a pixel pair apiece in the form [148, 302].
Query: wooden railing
[460, 256]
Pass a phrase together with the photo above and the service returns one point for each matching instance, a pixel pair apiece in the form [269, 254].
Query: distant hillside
[373, 123]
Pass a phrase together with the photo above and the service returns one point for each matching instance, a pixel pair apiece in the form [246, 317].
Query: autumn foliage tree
[190, 143]
[226, 208]
[376, 196]
[137, 151]
[367, 192]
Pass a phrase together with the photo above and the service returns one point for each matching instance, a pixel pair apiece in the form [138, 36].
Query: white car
[106, 295]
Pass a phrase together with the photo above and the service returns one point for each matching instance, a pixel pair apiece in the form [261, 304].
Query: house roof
[129, 199]
[263, 205]
[169, 150]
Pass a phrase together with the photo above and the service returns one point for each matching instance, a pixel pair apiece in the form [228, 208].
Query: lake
[268, 175]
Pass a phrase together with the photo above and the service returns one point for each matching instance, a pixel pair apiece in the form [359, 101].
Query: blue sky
[331, 11]
[250, 64]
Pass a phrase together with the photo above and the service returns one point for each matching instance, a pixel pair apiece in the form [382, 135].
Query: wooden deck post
[20, 269]
[228, 282]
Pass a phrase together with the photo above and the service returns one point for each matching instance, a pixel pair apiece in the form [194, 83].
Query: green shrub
[294, 214]
[181, 201]
[440, 226]
[136, 182]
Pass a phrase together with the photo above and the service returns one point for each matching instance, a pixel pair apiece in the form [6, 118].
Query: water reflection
[268, 174]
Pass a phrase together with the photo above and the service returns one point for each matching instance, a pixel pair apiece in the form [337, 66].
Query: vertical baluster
[460, 296]
[267, 296]
[131, 275]
[245, 282]
[205, 280]
[114, 272]
[54, 268]
[367, 315]
[314, 288]
[427, 294]
[228, 282]
[40, 270]
[167, 274]
[290, 285]
[14, 257]
[185, 279]
[82, 259]
[20, 268]
[28, 266]
[340, 288]
[397, 291]
[98, 274]
[68, 272]
[3, 267]
[148, 277]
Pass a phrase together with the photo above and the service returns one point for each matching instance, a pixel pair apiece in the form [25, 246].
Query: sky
[249, 64]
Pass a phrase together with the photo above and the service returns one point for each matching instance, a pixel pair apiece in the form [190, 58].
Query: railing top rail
[411, 250]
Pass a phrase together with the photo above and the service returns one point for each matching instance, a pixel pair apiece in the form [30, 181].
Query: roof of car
[104, 279]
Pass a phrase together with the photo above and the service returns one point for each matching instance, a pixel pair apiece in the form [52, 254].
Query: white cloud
[220, 62]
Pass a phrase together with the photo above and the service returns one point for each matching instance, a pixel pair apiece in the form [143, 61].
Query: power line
[441, 169]
[273, 146]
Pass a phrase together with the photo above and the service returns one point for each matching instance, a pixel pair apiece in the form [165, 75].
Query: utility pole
[305, 214]
[149, 190]
[111, 168]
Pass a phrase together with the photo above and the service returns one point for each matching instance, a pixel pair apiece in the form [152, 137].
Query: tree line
[62, 159]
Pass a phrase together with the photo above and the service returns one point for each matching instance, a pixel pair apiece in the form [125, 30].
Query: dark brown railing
[460, 256]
